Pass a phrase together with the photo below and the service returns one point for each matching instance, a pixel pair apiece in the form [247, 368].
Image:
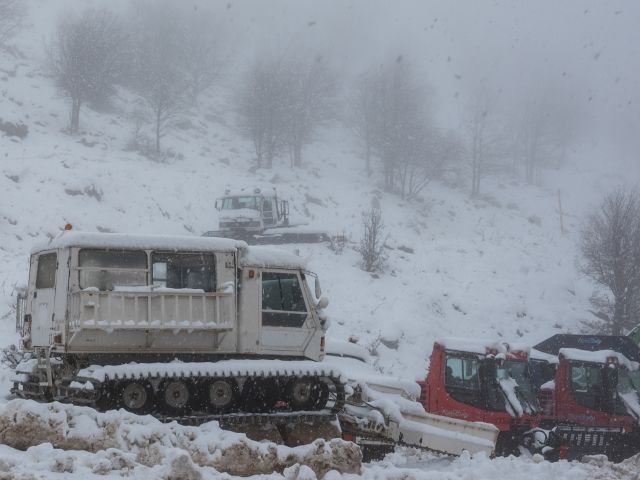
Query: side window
[46, 275]
[586, 384]
[109, 269]
[282, 300]
[184, 270]
[461, 379]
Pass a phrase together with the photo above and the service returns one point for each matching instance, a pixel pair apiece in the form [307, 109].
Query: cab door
[268, 211]
[287, 326]
[42, 300]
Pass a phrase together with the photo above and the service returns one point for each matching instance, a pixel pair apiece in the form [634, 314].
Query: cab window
[282, 300]
[461, 379]
[109, 269]
[46, 274]
[586, 384]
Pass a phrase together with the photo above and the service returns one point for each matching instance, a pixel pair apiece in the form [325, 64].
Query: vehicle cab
[251, 211]
[483, 381]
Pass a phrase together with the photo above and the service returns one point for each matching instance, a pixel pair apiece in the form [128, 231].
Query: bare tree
[84, 57]
[372, 244]
[392, 114]
[201, 57]
[12, 13]
[485, 145]
[307, 103]
[261, 102]
[156, 72]
[362, 116]
[546, 121]
[610, 248]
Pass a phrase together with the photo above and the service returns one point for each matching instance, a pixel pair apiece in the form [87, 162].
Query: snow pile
[415, 465]
[118, 440]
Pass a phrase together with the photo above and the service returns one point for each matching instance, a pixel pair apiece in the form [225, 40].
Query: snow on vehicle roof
[547, 357]
[264, 257]
[136, 241]
[249, 192]
[481, 346]
[471, 345]
[599, 356]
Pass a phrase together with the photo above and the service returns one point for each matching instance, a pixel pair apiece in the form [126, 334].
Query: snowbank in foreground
[409, 464]
[119, 440]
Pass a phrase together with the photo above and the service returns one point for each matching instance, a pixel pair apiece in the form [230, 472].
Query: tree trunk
[158, 128]
[75, 115]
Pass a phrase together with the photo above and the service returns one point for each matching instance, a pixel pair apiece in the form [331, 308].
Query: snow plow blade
[419, 429]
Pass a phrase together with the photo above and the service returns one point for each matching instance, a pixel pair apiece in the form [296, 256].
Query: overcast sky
[591, 49]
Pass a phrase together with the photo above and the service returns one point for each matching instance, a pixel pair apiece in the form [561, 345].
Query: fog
[589, 49]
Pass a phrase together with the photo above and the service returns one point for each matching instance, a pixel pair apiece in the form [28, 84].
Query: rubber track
[98, 376]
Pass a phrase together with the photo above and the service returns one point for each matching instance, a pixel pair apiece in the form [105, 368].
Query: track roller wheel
[219, 395]
[307, 393]
[176, 395]
[259, 395]
[135, 395]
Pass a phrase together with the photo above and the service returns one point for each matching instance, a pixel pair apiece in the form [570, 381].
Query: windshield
[629, 390]
[515, 380]
[235, 203]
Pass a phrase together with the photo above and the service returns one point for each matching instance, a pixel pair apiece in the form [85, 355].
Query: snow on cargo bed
[67, 440]
[101, 373]
[124, 240]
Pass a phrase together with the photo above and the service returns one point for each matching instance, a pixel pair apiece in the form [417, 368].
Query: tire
[136, 396]
[307, 393]
[176, 395]
[219, 395]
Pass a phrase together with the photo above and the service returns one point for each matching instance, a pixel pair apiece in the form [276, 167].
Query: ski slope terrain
[498, 266]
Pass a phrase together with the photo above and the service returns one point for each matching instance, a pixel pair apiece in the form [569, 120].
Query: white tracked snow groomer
[194, 329]
[180, 327]
[260, 216]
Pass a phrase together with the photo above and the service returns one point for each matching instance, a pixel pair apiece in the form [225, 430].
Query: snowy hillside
[494, 267]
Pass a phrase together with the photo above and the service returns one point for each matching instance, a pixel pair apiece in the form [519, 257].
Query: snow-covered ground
[494, 267]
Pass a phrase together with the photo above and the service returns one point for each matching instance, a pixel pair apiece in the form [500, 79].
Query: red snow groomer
[484, 381]
[591, 399]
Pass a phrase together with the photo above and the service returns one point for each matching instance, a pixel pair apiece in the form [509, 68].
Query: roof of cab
[135, 241]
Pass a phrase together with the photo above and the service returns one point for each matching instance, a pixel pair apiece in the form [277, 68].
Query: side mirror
[322, 303]
[217, 205]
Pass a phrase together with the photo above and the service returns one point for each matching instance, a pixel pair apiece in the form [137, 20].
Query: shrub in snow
[11, 129]
[372, 244]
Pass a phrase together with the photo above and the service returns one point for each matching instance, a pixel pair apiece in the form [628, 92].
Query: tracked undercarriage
[265, 399]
